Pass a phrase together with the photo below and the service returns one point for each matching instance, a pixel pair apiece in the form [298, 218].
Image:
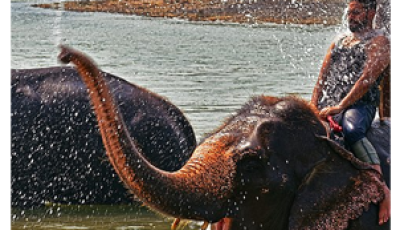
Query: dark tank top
[346, 67]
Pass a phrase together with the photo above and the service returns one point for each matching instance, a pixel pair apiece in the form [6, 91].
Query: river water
[207, 69]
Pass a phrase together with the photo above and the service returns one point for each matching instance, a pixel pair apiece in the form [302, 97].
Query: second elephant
[57, 152]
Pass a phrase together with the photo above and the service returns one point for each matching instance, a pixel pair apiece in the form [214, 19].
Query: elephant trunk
[198, 191]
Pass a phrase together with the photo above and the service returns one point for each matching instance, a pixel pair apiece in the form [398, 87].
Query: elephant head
[270, 166]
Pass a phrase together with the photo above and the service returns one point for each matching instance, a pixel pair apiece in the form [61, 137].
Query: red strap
[334, 125]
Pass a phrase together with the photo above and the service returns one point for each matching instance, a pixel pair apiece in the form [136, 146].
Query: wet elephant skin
[269, 166]
[57, 152]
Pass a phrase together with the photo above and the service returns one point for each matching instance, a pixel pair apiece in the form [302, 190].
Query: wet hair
[368, 4]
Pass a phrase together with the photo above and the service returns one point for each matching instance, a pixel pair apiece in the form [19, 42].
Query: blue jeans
[356, 120]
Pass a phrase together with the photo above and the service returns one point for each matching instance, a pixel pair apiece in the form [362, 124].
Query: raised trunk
[199, 191]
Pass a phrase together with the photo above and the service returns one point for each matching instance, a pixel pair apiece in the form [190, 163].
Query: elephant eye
[252, 166]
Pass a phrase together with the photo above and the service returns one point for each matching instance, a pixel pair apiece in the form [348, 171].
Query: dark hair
[368, 4]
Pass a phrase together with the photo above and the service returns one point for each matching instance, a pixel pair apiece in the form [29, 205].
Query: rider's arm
[378, 58]
[322, 76]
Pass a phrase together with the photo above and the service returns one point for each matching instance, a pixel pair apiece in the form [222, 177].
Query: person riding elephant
[348, 84]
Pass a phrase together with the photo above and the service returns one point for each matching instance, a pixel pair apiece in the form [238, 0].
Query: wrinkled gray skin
[379, 135]
[270, 166]
[57, 152]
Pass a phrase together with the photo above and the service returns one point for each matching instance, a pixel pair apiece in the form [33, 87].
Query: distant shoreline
[240, 11]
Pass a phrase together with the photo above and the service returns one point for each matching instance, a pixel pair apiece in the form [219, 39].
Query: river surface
[207, 69]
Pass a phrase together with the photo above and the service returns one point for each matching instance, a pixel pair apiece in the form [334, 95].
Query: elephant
[57, 153]
[268, 166]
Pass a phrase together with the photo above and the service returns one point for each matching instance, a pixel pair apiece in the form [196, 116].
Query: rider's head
[360, 14]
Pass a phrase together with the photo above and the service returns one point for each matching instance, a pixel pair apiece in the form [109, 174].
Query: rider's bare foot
[384, 207]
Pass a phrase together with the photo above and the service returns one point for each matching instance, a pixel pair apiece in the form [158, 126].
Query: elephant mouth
[223, 224]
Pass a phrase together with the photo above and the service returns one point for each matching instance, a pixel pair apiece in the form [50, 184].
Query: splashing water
[381, 20]
[57, 31]
[344, 26]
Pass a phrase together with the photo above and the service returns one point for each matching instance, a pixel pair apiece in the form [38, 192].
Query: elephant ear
[160, 129]
[337, 190]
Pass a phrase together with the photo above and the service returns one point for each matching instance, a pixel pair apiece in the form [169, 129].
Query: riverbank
[240, 11]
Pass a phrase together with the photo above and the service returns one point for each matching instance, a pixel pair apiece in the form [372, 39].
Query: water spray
[57, 31]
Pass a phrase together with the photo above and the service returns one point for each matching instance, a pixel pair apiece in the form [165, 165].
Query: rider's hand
[330, 111]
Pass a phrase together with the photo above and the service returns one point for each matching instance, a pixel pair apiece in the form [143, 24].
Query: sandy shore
[241, 11]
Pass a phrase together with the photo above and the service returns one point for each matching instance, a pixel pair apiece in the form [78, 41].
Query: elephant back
[57, 151]
[379, 136]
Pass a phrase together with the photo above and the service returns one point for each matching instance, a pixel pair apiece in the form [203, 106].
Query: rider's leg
[356, 121]
[365, 151]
